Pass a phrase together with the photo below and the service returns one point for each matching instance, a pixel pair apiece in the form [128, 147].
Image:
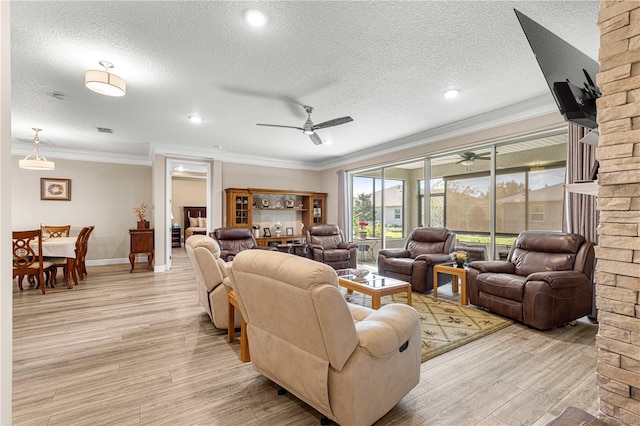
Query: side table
[231, 332]
[455, 274]
[140, 242]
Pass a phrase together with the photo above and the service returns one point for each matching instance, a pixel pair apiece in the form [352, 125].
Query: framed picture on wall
[55, 189]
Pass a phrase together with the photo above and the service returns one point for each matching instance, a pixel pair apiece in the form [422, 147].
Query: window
[528, 191]
[467, 201]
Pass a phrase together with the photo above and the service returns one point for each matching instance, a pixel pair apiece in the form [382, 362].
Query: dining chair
[61, 262]
[25, 260]
[56, 231]
[81, 253]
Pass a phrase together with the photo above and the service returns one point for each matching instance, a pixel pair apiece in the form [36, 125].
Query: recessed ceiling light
[328, 142]
[255, 18]
[195, 119]
[451, 93]
[217, 147]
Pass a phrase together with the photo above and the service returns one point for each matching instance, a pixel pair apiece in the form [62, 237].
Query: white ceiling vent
[104, 130]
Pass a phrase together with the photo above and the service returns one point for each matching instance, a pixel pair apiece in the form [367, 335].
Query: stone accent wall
[617, 274]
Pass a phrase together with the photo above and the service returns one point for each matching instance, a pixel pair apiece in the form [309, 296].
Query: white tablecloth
[58, 247]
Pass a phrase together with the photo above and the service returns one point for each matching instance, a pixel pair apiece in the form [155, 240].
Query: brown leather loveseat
[545, 281]
[424, 248]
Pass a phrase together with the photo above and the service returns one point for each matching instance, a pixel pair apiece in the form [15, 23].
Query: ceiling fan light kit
[104, 82]
[36, 162]
[308, 128]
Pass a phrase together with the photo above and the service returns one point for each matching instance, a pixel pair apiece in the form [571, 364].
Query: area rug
[445, 325]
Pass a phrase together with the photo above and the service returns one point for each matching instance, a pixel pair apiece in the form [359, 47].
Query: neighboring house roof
[546, 194]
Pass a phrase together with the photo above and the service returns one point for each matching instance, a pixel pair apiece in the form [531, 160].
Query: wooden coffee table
[373, 285]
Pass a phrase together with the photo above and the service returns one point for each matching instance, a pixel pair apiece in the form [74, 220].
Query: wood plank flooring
[137, 349]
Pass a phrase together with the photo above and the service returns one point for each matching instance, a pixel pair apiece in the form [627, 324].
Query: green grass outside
[484, 239]
[396, 233]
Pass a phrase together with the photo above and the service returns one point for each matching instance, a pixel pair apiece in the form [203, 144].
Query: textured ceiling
[386, 64]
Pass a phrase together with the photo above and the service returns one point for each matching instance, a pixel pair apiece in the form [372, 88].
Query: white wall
[6, 298]
[102, 195]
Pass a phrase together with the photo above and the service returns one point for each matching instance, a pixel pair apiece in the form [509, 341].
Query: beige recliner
[204, 254]
[351, 363]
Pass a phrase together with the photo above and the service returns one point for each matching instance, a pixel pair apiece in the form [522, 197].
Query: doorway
[188, 184]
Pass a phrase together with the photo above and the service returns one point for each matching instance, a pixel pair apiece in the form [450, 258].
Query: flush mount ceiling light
[195, 119]
[255, 18]
[451, 93]
[104, 82]
[36, 162]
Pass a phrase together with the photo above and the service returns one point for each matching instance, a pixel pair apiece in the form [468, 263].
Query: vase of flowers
[363, 229]
[459, 257]
[256, 230]
[141, 214]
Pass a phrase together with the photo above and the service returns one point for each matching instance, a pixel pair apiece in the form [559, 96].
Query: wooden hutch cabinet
[295, 210]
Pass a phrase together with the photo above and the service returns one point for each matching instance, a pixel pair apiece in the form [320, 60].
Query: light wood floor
[131, 349]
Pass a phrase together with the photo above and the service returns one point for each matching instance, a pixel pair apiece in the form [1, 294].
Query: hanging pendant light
[36, 162]
[104, 82]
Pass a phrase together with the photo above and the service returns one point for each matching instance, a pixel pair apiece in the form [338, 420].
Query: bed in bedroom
[195, 221]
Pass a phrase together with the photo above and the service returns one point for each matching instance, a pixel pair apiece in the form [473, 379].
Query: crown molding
[509, 114]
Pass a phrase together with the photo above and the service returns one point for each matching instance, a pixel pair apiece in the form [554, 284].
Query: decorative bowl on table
[359, 274]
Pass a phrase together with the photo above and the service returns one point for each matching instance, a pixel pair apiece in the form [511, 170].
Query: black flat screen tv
[570, 73]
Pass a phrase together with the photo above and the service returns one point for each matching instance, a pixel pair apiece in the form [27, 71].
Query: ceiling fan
[308, 128]
[469, 157]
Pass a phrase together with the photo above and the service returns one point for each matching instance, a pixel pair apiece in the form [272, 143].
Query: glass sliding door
[529, 188]
[460, 198]
[387, 205]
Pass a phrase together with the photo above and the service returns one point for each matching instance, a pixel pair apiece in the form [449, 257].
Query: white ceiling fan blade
[315, 138]
[278, 125]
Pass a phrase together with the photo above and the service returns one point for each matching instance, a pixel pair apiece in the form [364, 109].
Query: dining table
[61, 247]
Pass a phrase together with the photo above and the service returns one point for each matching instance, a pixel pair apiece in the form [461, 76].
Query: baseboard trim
[125, 260]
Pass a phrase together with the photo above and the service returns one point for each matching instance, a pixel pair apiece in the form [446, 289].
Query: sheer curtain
[580, 214]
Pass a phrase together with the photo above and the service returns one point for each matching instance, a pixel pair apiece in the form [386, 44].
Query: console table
[140, 242]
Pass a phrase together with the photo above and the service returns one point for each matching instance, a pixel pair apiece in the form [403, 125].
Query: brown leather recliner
[424, 248]
[232, 240]
[545, 281]
[327, 245]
